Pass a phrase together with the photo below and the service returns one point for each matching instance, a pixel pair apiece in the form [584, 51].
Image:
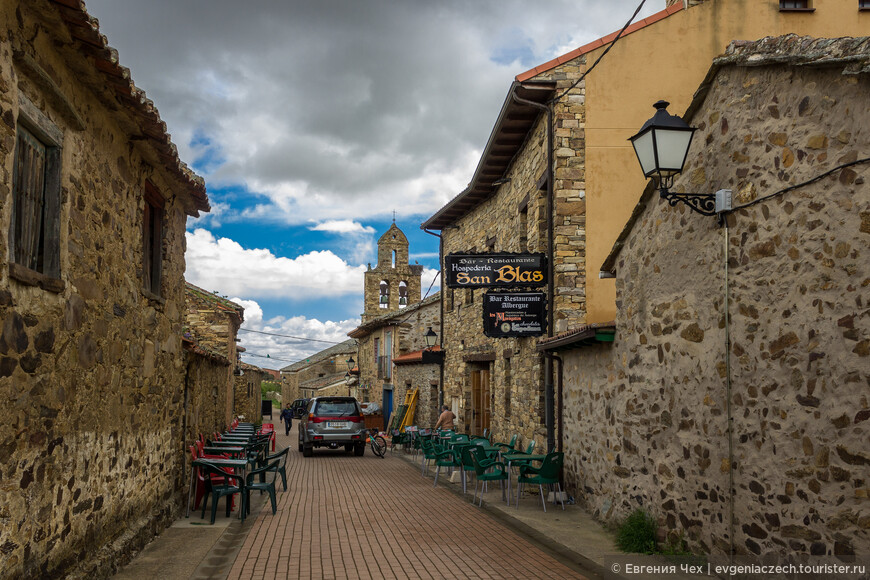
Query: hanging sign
[514, 314]
[495, 270]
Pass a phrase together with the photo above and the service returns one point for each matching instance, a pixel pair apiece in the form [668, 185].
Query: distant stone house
[248, 393]
[557, 176]
[393, 358]
[93, 206]
[328, 366]
[761, 326]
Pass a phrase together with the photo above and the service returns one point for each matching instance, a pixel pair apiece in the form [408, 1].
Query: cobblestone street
[366, 517]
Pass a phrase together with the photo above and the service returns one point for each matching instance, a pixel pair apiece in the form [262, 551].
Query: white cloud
[331, 109]
[281, 341]
[343, 227]
[224, 265]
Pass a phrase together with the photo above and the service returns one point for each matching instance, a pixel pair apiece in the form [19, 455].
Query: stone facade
[92, 371]
[382, 340]
[329, 362]
[248, 394]
[646, 419]
[393, 283]
[423, 376]
[213, 323]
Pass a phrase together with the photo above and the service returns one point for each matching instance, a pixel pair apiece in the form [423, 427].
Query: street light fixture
[350, 364]
[661, 146]
[430, 337]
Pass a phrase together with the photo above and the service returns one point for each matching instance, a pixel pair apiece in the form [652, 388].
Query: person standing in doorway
[287, 417]
[446, 419]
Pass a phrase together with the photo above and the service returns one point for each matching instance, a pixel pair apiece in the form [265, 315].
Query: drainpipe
[548, 361]
[728, 410]
[441, 320]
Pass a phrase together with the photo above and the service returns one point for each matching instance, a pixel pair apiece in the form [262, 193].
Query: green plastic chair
[268, 486]
[547, 474]
[483, 474]
[281, 458]
[446, 458]
[427, 446]
[221, 486]
[510, 445]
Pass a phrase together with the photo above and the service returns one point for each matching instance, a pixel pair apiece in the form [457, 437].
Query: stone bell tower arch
[394, 283]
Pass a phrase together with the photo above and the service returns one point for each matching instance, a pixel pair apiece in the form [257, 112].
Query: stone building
[393, 283]
[92, 297]
[784, 284]
[552, 179]
[326, 367]
[248, 393]
[212, 323]
[393, 357]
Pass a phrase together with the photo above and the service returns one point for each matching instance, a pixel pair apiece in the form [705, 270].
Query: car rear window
[336, 408]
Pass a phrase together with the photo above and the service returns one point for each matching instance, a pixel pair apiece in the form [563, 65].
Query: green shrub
[637, 534]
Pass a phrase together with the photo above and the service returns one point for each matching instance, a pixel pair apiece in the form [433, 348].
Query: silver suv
[332, 422]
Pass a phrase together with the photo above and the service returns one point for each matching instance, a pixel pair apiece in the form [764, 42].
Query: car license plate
[337, 424]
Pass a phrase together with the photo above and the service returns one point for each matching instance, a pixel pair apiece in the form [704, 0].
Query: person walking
[287, 417]
[446, 419]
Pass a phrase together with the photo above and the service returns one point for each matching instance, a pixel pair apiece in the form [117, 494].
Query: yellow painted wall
[668, 60]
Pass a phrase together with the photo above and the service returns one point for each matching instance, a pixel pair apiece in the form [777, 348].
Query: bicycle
[378, 443]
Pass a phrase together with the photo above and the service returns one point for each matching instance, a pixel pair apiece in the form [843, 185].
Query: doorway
[481, 405]
[387, 406]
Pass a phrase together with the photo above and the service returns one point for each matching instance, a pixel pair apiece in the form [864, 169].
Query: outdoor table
[224, 449]
[237, 464]
[508, 457]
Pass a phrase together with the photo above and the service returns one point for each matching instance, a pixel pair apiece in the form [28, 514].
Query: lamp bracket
[709, 204]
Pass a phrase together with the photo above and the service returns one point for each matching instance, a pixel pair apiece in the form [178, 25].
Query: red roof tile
[652, 19]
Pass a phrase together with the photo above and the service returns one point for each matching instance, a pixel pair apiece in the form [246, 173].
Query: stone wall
[515, 368]
[647, 419]
[91, 369]
[425, 378]
[248, 395]
[407, 329]
[205, 401]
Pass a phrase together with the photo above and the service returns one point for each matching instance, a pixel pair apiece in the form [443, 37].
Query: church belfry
[393, 283]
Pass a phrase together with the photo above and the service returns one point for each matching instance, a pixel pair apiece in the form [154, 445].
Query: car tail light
[318, 437]
[357, 419]
[354, 436]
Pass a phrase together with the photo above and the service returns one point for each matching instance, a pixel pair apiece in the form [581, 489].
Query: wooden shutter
[28, 201]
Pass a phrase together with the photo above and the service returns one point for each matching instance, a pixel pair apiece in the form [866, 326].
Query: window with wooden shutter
[34, 231]
[152, 240]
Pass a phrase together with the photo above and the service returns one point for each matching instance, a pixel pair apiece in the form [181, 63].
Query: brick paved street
[366, 517]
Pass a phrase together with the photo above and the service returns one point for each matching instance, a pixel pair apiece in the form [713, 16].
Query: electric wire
[803, 184]
[289, 336]
[609, 46]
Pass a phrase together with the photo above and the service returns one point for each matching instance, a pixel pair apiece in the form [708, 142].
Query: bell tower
[394, 283]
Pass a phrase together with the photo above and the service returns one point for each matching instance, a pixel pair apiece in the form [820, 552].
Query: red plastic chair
[270, 429]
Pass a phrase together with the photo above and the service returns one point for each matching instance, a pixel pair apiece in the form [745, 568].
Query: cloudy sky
[313, 121]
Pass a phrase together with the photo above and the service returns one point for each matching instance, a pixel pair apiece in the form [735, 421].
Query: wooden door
[481, 409]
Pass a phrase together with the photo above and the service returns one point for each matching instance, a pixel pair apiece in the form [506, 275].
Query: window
[795, 5]
[152, 239]
[863, 4]
[384, 299]
[34, 233]
[403, 294]
[524, 227]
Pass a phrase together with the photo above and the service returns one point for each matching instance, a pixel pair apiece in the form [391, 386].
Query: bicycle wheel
[379, 445]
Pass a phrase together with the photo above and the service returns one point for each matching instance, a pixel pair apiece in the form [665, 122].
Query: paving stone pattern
[365, 517]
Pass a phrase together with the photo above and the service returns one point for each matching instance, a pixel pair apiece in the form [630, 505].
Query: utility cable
[288, 336]
[609, 46]
[803, 184]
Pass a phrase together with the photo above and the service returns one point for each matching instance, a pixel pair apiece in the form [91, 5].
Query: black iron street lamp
[661, 146]
[430, 337]
[350, 364]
